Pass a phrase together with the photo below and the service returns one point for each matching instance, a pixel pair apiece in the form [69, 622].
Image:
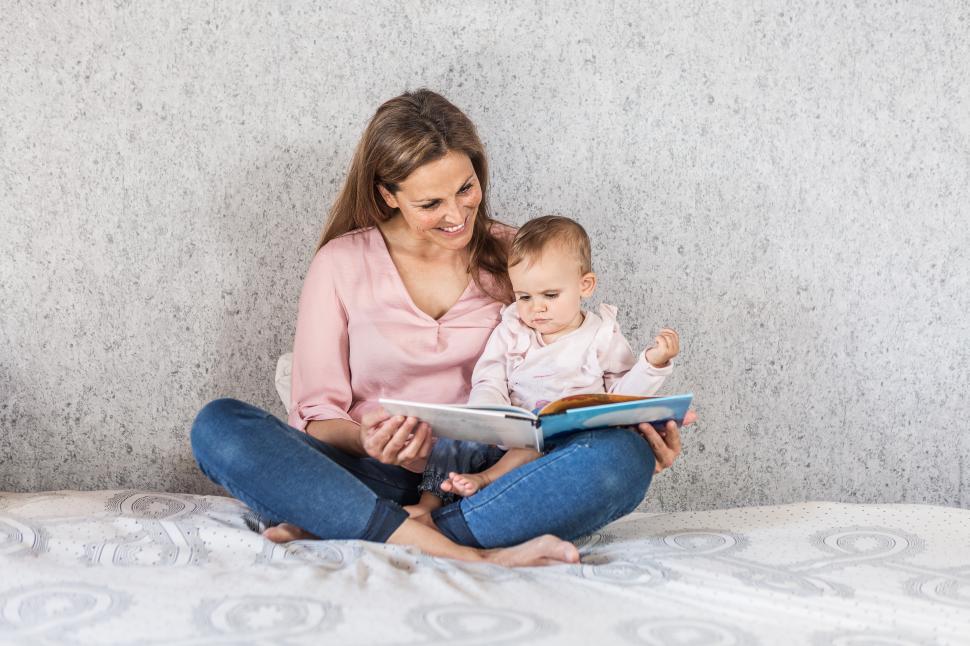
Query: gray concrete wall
[786, 185]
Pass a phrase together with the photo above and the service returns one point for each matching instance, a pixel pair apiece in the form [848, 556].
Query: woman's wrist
[340, 433]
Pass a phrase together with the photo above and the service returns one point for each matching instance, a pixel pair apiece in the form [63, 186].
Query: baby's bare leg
[465, 484]
[421, 512]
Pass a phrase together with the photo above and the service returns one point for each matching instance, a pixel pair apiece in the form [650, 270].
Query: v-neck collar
[404, 290]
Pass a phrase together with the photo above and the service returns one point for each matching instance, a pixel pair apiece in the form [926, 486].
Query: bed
[137, 567]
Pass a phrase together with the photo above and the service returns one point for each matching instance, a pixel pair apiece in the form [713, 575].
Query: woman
[406, 286]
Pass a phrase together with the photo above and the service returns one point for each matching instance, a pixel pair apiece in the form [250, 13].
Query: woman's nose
[453, 215]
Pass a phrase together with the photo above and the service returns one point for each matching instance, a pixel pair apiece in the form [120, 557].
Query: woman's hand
[395, 440]
[665, 443]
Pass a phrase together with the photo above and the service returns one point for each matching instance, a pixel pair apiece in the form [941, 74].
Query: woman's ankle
[429, 539]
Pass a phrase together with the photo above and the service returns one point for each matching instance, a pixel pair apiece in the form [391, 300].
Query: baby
[546, 347]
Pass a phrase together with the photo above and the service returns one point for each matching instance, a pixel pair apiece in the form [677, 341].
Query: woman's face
[439, 201]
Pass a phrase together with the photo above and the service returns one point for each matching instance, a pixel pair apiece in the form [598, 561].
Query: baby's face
[549, 291]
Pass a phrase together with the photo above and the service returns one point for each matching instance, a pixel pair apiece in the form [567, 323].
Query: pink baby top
[359, 336]
[520, 369]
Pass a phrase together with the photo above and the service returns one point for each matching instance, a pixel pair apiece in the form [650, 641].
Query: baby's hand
[666, 346]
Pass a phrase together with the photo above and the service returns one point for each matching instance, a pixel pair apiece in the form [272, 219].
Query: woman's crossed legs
[584, 482]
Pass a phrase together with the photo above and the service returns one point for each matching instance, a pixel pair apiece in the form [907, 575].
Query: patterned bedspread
[133, 567]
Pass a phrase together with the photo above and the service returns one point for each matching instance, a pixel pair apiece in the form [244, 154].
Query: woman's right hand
[666, 442]
[395, 439]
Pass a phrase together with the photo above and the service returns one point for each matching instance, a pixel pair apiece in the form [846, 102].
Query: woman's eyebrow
[434, 199]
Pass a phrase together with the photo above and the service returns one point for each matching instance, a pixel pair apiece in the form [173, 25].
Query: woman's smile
[455, 230]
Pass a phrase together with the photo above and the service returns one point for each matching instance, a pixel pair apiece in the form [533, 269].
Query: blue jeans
[460, 457]
[584, 481]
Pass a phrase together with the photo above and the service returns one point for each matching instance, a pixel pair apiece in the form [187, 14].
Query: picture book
[513, 427]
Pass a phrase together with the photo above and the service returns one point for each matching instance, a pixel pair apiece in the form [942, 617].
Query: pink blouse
[359, 336]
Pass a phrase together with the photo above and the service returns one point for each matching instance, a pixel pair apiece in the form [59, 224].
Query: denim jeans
[584, 481]
[458, 456]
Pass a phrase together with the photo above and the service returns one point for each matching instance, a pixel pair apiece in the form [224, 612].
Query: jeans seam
[262, 510]
[619, 514]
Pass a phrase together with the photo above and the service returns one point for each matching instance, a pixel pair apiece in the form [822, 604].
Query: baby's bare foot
[544, 550]
[286, 532]
[464, 484]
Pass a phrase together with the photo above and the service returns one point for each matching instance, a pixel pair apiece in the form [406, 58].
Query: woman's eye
[428, 207]
[465, 188]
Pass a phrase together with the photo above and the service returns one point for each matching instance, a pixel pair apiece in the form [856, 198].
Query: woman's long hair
[407, 132]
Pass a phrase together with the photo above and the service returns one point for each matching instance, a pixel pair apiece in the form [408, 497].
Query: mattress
[136, 567]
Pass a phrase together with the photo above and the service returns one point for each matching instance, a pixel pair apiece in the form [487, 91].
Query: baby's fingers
[672, 340]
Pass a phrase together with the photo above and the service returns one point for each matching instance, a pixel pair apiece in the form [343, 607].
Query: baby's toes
[465, 486]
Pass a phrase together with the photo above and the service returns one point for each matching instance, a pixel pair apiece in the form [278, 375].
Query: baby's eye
[551, 295]
[524, 298]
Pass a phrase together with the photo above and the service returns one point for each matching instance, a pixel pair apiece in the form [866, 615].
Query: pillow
[284, 372]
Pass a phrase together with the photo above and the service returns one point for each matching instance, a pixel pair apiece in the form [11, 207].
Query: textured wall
[788, 186]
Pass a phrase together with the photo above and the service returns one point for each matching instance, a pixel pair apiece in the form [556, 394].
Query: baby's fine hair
[536, 235]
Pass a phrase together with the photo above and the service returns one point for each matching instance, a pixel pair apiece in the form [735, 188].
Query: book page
[509, 429]
[581, 401]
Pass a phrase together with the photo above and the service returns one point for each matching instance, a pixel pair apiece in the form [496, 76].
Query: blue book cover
[583, 412]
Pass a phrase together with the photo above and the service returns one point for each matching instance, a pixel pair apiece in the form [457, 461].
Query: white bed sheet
[133, 567]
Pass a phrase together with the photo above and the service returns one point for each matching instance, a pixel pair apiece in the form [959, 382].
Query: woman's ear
[587, 284]
[389, 198]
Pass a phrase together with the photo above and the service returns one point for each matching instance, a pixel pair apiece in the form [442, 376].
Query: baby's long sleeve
[490, 379]
[626, 373]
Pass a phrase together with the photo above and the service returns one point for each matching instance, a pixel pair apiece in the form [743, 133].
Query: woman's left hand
[665, 443]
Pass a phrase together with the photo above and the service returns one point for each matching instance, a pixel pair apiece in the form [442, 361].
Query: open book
[514, 427]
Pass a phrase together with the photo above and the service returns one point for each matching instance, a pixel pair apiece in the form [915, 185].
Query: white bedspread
[131, 567]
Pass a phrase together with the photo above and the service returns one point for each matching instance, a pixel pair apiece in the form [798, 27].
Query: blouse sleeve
[321, 371]
[625, 373]
[490, 380]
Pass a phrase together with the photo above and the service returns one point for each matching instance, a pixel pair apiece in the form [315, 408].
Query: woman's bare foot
[465, 484]
[544, 550]
[286, 532]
